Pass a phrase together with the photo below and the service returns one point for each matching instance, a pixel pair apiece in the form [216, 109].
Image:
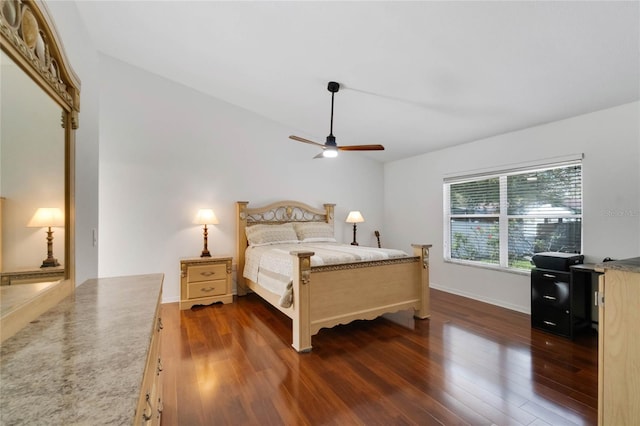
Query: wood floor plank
[469, 364]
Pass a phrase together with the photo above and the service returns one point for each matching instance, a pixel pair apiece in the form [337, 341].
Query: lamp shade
[46, 217]
[206, 217]
[355, 217]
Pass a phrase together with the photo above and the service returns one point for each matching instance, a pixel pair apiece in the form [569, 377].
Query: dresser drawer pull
[144, 415]
[207, 273]
[553, 324]
[159, 369]
[548, 297]
[548, 276]
[160, 326]
[208, 289]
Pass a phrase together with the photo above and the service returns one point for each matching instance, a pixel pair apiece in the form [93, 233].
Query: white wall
[167, 150]
[84, 60]
[610, 141]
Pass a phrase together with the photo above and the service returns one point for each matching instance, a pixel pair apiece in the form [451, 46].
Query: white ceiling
[415, 76]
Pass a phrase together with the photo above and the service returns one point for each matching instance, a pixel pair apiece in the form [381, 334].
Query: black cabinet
[550, 301]
[558, 304]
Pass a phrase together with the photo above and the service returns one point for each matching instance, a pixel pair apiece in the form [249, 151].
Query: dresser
[91, 359]
[619, 343]
[205, 280]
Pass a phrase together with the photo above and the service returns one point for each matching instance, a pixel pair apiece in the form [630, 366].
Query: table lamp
[354, 217]
[206, 217]
[47, 217]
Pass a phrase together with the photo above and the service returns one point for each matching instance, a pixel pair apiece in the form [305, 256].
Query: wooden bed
[328, 295]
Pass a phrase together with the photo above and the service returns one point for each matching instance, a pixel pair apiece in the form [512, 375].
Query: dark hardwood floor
[470, 363]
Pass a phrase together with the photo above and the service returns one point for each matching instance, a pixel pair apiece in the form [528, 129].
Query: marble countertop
[14, 296]
[82, 362]
[628, 265]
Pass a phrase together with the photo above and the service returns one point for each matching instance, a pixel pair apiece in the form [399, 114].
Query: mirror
[32, 169]
[39, 105]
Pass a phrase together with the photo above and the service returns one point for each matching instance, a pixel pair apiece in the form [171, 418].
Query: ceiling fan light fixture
[330, 153]
[330, 147]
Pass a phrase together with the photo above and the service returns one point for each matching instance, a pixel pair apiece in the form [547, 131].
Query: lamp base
[49, 262]
[354, 243]
[205, 249]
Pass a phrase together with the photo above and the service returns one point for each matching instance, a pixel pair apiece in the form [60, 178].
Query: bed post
[422, 250]
[241, 217]
[301, 316]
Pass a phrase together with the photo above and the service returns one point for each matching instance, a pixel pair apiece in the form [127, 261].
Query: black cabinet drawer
[551, 319]
[552, 293]
[546, 275]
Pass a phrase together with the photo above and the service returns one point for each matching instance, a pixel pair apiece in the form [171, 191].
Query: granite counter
[627, 265]
[82, 362]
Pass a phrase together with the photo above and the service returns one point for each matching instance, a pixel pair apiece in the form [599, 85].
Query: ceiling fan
[330, 148]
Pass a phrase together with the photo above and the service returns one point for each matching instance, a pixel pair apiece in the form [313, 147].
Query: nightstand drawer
[206, 288]
[207, 273]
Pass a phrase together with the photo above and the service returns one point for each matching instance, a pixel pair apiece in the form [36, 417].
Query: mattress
[271, 266]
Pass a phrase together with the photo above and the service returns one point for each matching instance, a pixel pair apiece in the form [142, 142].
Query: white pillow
[309, 232]
[260, 235]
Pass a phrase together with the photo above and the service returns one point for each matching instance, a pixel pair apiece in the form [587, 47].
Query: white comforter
[271, 266]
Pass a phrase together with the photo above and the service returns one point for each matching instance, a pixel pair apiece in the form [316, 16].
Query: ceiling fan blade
[330, 148]
[361, 148]
[299, 139]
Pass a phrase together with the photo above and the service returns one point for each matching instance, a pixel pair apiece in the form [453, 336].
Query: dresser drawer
[198, 273]
[206, 288]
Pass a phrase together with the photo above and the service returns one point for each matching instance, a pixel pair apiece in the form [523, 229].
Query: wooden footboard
[326, 296]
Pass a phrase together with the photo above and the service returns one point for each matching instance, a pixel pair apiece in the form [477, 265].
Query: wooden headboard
[273, 214]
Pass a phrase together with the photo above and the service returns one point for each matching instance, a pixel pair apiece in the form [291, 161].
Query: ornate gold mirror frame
[29, 37]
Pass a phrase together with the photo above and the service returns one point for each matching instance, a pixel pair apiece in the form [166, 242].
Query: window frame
[503, 217]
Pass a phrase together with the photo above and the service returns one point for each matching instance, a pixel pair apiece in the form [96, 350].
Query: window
[502, 218]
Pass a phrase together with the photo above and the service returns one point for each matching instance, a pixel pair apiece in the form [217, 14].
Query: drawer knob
[549, 297]
[208, 289]
[207, 273]
[553, 324]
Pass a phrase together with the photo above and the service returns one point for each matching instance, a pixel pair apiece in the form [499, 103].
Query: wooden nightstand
[205, 280]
